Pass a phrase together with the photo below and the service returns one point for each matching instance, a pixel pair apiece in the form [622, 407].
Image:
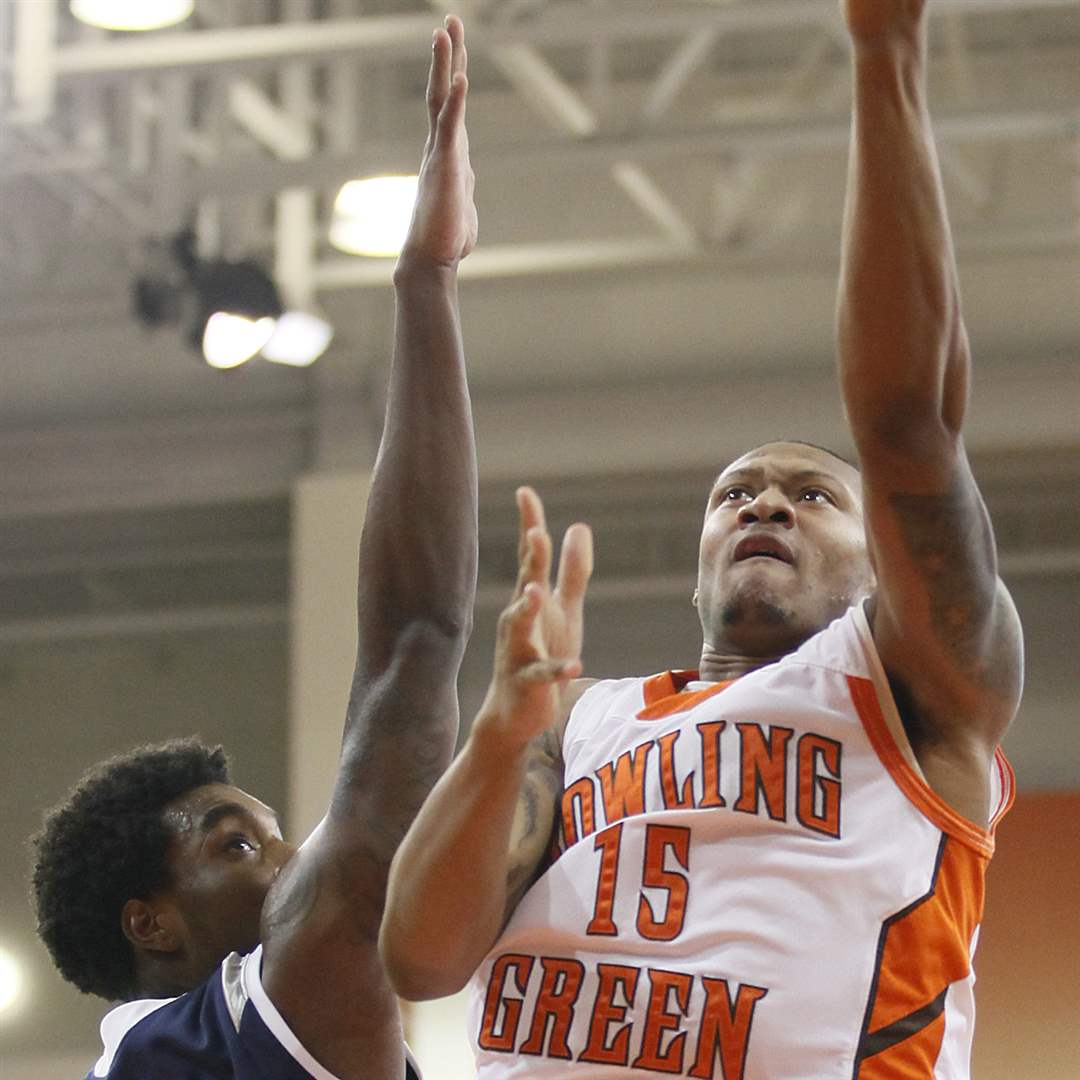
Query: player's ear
[152, 925]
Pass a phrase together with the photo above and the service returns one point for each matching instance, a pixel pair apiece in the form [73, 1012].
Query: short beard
[741, 611]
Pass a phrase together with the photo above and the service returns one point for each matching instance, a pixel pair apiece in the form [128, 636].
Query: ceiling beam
[539, 84]
[683, 62]
[552, 156]
[283, 134]
[515, 260]
[389, 35]
[581, 256]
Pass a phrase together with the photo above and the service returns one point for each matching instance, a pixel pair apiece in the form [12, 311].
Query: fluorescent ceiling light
[299, 339]
[371, 217]
[230, 340]
[132, 14]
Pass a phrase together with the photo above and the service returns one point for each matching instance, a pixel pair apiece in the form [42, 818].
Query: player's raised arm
[944, 625]
[417, 576]
[477, 843]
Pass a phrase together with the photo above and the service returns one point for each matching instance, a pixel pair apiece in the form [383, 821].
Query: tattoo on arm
[536, 815]
[290, 903]
[949, 539]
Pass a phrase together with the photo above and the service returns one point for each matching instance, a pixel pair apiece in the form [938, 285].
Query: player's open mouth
[763, 546]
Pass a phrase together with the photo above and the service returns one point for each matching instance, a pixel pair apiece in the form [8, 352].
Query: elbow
[440, 636]
[448, 623]
[417, 945]
[454, 626]
[909, 426]
[415, 969]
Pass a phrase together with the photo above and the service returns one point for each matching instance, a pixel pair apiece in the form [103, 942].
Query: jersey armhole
[1002, 789]
[274, 1021]
[890, 714]
[880, 719]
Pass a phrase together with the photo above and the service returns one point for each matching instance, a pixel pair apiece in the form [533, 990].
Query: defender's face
[225, 854]
[783, 550]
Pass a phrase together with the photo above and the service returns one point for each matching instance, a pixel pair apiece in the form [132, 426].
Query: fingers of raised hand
[575, 565]
[535, 565]
[460, 58]
[517, 619]
[439, 75]
[520, 657]
[530, 516]
[447, 81]
[449, 123]
[540, 672]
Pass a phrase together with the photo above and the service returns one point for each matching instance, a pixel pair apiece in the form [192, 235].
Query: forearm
[448, 885]
[418, 550]
[902, 347]
[417, 572]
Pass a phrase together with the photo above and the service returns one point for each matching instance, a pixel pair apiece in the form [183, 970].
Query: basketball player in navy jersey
[794, 542]
[161, 885]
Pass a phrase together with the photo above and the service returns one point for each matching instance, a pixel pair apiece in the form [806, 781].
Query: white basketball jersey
[754, 882]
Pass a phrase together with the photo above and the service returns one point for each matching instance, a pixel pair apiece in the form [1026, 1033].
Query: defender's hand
[879, 21]
[538, 645]
[444, 223]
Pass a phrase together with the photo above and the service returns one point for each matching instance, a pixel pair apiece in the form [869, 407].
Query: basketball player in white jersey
[772, 868]
[160, 884]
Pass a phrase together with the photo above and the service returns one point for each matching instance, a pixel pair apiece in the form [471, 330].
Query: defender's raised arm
[943, 622]
[417, 579]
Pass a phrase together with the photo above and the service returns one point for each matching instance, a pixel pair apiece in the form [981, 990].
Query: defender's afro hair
[104, 845]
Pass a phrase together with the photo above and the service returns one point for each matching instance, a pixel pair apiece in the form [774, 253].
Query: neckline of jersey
[667, 693]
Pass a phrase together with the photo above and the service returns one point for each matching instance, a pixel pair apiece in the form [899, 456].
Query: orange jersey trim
[923, 950]
[918, 792]
[665, 695]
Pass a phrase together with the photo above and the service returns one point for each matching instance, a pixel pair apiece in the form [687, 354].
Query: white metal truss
[247, 119]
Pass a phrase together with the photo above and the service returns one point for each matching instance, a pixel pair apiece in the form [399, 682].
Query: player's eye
[816, 495]
[735, 494]
[239, 842]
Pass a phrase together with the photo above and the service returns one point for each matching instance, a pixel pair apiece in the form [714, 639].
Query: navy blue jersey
[226, 1029]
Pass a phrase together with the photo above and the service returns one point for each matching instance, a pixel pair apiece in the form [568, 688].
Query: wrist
[416, 269]
[887, 74]
[893, 46]
[496, 740]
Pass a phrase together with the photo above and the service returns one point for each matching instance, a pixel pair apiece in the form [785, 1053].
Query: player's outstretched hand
[872, 21]
[444, 222]
[538, 644]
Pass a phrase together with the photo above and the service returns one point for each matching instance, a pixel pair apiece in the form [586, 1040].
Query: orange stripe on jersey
[918, 792]
[922, 951]
[664, 694]
[658, 687]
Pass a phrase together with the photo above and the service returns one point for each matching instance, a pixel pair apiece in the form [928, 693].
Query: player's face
[226, 852]
[783, 550]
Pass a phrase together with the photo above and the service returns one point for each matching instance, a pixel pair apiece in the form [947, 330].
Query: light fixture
[232, 309]
[230, 340]
[299, 339]
[131, 14]
[11, 982]
[371, 217]
[238, 309]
